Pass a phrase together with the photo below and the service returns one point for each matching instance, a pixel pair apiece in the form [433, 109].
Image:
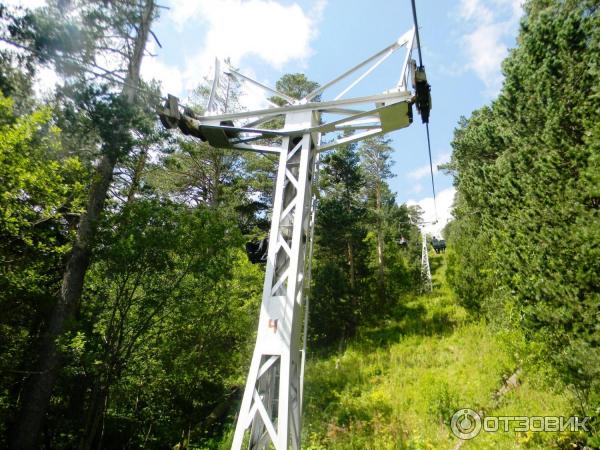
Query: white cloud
[444, 201]
[417, 188]
[423, 171]
[169, 76]
[491, 23]
[265, 29]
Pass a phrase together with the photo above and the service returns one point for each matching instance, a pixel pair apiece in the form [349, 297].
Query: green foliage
[203, 175]
[340, 251]
[164, 327]
[360, 269]
[76, 37]
[156, 354]
[296, 85]
[399, 381]
[40, 194]
[524, 246]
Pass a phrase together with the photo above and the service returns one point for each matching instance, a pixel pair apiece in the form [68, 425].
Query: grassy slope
[399, 382]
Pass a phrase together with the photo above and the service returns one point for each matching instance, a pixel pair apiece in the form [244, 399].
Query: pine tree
[526, 171]
[375, 163]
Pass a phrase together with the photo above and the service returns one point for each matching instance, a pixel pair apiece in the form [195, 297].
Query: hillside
[397, 384]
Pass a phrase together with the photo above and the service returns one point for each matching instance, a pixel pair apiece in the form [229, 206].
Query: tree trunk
[219, 411]
[351, 264]
[381, 268]
[94, 416]
[39, 389]
[214, 183]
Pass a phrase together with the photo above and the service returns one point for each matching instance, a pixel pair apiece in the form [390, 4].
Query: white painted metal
[271, 407]
[402, 41]
[257, 148]
[393, 96]
[210, 107]
[271, 412]
[379, 125]
[246, 125]
[365, 74]
[287, 98]
[403, 81]
[349, 139]
[426, 285]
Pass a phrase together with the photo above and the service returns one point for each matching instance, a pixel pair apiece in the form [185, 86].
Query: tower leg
[271, 406]
[426, 285]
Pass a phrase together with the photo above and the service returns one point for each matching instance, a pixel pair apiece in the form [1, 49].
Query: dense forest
[526, 239]
[129, 303]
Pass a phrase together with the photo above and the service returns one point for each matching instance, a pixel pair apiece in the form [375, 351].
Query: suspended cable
[424, 100]
[414, 11]
[431, 171]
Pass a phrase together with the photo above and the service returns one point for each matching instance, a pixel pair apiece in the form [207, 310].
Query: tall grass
[399, 381]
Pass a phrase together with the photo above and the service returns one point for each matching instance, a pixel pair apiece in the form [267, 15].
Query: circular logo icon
[465, 424]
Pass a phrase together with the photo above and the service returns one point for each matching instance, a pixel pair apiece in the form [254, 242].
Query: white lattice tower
[274, 379]
[426, 285]
[271, 411]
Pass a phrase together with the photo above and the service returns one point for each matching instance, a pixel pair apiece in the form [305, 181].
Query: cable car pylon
[426, 284]
[270, 415]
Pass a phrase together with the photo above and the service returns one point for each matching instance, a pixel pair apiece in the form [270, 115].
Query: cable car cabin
[439, 245]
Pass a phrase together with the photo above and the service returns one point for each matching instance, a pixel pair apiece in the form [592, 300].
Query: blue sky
[464, 42]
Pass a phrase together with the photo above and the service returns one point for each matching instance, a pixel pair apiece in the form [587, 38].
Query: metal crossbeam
[388, 111]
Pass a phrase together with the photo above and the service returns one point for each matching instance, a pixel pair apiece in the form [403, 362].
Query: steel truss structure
[426, 285]
[271, 411]
[358, 117]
